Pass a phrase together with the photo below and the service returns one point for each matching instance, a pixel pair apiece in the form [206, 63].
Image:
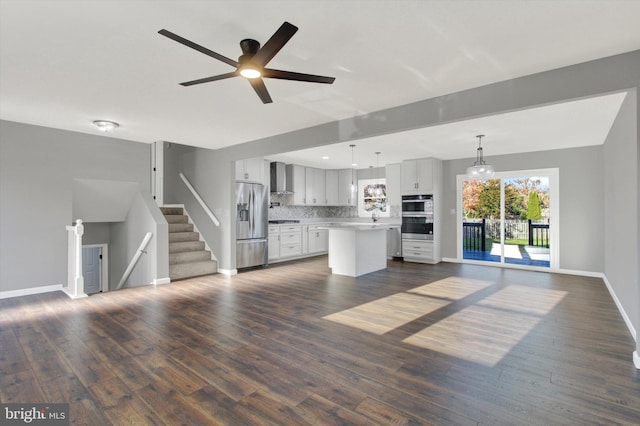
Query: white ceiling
[64, 64]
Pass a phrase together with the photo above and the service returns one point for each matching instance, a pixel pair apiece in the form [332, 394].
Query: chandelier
[480, 169]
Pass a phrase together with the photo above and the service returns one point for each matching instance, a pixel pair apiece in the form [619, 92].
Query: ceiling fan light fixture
[106, 125]
[250, 72]
[480, 170]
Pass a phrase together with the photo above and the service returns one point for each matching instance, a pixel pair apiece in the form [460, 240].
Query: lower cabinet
[274, 242]
[418, 250]
[288, 242]
[318, 240]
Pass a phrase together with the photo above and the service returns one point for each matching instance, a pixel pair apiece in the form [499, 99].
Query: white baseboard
[28, 291]
[625, 317]
[161, 281]
[75, 296]
[228, 271]
[636, 359]
[591, 274]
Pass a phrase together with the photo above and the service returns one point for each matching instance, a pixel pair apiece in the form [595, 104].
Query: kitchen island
[358, 248]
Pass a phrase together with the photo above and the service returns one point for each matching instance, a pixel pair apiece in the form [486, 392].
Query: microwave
[417, 205]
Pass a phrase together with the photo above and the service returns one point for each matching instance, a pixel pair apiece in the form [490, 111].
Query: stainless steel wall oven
[417, 217]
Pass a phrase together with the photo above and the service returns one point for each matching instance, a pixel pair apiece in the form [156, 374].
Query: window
[372, 198]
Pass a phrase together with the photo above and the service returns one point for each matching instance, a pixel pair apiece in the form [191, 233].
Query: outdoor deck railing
[475, 234]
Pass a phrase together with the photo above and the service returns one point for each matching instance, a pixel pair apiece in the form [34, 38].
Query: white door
[91, 257]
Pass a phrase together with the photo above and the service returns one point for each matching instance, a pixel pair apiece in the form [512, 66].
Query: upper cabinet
[310, 186]
[296, 184]
[315, 187]
[347, 195]
[421, 176]
[331, 187]
[251, 170]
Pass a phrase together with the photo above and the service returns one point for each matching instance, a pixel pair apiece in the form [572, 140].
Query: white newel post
[75, 280]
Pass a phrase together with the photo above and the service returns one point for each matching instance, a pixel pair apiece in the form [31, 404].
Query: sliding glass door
[508, 219]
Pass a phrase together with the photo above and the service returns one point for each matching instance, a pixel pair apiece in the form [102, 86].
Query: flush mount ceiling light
[480, 170]
[106, 126]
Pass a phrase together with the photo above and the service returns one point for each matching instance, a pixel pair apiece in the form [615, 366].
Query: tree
[514, 207]
[489, 200]
[471, 190]
[533, 206]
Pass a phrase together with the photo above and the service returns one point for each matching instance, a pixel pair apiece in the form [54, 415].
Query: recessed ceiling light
[105, 125]
[325, 157]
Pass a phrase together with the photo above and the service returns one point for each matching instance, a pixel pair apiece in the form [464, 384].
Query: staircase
[187, 254]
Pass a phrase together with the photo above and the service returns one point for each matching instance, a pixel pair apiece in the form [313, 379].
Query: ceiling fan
[251, 64]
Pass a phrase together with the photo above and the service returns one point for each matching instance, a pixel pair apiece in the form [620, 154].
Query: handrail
[206, 208]
[135, 259]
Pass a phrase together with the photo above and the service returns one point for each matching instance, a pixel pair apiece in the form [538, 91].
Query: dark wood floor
[444, 344]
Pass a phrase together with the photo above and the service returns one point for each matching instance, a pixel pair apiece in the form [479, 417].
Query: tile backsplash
[283, 211]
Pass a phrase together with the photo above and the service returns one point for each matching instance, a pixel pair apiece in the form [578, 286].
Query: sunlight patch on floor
[486, 331]
[524, 299]
[452, 288]
[388, 313]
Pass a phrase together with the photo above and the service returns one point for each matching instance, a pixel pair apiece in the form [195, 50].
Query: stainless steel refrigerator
[251, 225]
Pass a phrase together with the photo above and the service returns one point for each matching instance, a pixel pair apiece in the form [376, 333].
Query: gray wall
[143, 216]
[581, 207]
[621, 250]
[602, 76]
[38, 166]
[96, 233]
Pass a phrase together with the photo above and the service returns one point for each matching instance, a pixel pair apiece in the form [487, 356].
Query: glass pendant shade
[480, 169]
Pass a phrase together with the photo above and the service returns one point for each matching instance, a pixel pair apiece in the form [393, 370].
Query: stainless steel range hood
[279, 178]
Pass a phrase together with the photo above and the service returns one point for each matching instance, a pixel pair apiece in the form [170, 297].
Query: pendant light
[353, 164]
[480, 170]
[370, 187]
[378, 190]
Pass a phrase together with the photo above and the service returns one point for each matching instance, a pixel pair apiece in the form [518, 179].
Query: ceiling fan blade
[274, 44]
[197, 47]
[261, 89]
[289, 75]
[208, 79]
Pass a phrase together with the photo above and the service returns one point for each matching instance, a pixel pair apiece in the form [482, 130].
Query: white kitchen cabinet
[274, 242]
[417, 176]
[314, 187]
[418, 251]
[393, 174]
[250, 170]
[296, 184]
[290, 240]
[346, 194]
[331, 187]
[318, 239]
[305, 239]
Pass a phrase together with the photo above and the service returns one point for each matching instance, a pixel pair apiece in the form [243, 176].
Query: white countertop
[355, 226]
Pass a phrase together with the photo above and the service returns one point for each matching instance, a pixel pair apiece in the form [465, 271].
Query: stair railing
[134, 260]
[197, 196]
